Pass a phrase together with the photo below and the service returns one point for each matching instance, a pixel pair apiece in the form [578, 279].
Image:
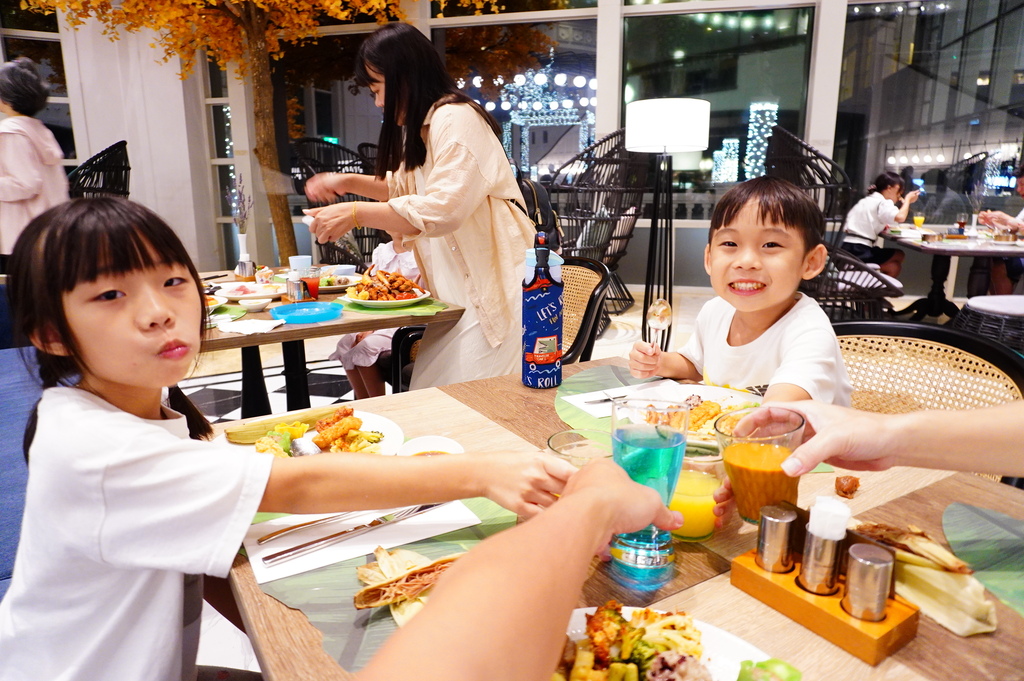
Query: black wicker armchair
[108, 173]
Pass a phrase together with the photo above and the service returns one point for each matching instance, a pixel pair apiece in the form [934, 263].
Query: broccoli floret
[642, 654]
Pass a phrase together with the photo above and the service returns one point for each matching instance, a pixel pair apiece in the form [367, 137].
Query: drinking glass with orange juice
[701, 476]
[754, 443]
[919, 221]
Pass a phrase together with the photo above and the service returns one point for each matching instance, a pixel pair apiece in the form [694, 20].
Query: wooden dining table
[501, 413]
[291, 336]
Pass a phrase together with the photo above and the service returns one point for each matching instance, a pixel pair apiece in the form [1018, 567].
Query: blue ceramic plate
[306, 313]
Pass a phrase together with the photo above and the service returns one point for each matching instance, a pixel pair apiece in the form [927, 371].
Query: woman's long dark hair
[76, 242]
[414, 80]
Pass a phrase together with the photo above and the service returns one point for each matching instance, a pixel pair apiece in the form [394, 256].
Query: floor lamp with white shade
[664, 127]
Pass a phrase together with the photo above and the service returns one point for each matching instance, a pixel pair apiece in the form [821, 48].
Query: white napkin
[665, 389]
[443, 519]
[250, 326]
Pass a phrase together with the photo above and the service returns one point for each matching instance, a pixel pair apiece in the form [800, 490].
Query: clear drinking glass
[754, 443]
[701, 475]
[648, 441]
[580, 446]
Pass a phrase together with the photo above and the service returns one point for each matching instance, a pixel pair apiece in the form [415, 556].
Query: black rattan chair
[312, 155]
[105, 174]
[598, 196]
[847, 288]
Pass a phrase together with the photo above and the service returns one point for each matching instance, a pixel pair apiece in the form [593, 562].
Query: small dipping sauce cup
[580, 446]
[754, 443]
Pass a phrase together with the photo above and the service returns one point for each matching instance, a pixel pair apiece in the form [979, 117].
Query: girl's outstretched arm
[521, 482]
[500, 613]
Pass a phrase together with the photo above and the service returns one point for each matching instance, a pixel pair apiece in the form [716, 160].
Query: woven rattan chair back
[585, 283]
[108, 173]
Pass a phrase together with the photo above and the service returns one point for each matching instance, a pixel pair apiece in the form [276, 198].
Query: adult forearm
[383, 216]
[365, 185]
[982, 440]
[501, 612]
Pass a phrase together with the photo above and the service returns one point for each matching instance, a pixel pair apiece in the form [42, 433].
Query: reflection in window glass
[450, 8]
[12, 16]
[47, 56]
[752, 66]
[57, 117]
[945, 112]
[225, 183]
[218, 79]
[537, 80]
[222, 142]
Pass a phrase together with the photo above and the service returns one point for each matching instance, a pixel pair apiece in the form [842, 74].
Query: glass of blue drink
[648, 441]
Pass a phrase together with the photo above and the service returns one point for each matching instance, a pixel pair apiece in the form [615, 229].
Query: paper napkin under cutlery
[250, 326]
[599, 405]
[441, 520]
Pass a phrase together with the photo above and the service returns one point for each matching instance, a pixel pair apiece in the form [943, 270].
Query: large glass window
[451, 8]
[752, 66]
[935, 91]
[538, 80]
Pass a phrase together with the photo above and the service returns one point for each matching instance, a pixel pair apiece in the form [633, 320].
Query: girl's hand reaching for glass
[524, 483]
[725, 503]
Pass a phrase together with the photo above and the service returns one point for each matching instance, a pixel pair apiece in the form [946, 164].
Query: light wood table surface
[501, 413]
[291, 336]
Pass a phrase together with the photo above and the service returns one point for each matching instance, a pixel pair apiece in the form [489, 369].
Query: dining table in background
[982, 250]
[291, 336]
[501, 413]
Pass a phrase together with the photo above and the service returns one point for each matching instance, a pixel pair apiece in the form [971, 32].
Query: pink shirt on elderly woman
[32, 178]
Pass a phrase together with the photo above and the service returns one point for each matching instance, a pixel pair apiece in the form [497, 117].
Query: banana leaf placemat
[424, 308]
[993, 544]
[352, 636]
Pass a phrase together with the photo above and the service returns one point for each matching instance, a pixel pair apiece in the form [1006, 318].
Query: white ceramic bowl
[255, 304]
[437, 444]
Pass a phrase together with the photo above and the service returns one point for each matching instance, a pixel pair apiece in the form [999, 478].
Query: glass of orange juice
[701, 475]
[754, 443]
[919, 221]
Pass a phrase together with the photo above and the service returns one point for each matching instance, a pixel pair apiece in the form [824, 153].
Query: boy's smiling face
[756, 266]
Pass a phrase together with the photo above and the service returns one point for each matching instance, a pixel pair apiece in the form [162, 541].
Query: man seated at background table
[1005, 271]
[765, 239]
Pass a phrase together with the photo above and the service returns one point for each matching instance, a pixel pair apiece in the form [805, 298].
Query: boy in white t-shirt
[765, 239]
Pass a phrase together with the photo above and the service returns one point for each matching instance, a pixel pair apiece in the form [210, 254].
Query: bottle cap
[829, 518]
[773, 539]
[868, 576]
[293, 275]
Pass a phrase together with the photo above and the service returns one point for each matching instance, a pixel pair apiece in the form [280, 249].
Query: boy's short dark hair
[778, 201]
[21, 88]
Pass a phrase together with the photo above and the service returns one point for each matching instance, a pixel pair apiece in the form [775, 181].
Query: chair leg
[618, 299]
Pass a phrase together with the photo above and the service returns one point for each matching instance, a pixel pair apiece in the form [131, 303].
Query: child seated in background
[765, 239]
[358, 352]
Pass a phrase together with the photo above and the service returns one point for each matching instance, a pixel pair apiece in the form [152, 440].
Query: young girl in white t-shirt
[121, 505]
[358, 352]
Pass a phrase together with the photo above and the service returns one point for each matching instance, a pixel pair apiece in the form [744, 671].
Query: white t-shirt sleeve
[886, 214]
[811, 360]
[145, 496]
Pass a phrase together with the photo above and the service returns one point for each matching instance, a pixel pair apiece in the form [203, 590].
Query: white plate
[393, 435]
[213, 302]
[387, 303]
[345, 282]
[723, 651]
[431, 443]
[244, 290]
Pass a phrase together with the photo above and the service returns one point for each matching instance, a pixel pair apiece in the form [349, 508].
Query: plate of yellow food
[602, 643]
[707, 403]
[213, 302]
[340, 430]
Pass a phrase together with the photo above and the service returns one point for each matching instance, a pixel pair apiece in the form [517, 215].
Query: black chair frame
[107, 173]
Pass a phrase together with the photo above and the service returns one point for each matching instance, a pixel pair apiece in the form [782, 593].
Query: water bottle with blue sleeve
[542, 316]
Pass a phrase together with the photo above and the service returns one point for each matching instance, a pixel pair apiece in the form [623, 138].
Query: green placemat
[232, 311]
[993, 544]
[608, 378]
[325, 595]
[424, 308]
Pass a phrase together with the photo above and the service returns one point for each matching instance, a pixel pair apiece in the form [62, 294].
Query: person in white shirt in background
[359, 352]
[32, 178]
[869, 218]
[1006, 272]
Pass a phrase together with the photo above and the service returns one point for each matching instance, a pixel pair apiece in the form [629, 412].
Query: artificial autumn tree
[247, 33]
